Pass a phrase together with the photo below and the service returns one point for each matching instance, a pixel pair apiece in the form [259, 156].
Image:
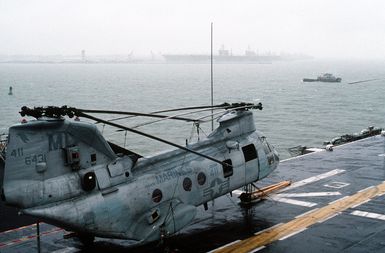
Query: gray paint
[121, 204]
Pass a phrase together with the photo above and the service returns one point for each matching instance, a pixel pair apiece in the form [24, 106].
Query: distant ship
[226, 56]
[327, 77]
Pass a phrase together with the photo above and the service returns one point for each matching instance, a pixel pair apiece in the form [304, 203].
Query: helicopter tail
[47, 159]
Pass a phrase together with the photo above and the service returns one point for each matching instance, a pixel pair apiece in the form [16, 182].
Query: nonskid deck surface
[335, 204]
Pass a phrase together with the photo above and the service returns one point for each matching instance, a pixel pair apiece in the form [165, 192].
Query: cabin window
[227, 169]
[201, 178]
[93, 158]
[187, 184]
[157, 195]
[249, 152]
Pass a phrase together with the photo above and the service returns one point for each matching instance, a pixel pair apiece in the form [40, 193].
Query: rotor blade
[82, 114]
[158, 120]
[237, 107]
[172, 116]
[209, 107]
[224, 106]
[134, 114]
[209, 120]
[233, 108]
[194, 108]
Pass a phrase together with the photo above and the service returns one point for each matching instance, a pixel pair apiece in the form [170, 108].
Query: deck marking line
[363, 202]
[334, 201]
[305, 221]
[266, 229]
[224, 246]
[308, 194]
[337, 185]
[293, 201]
[19, 228]
[306, 213]
[328, 218]
[366, 188]
[304, 181]
[66, 250]
[369, 215]
[257, 249]
[300, 156]
[292, 234]
[313, 179]
[22, 239]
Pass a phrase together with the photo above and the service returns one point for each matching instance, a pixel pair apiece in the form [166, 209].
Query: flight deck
[334, 204]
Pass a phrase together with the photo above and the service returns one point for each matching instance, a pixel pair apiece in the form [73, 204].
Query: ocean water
[294, 112]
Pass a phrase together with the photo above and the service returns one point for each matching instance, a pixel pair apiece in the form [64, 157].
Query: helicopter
[65, 173]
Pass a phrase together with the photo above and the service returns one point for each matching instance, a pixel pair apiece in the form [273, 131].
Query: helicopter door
[236, 173]
[251, 161]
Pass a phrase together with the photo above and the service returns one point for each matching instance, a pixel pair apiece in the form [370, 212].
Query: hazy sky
[322, 28]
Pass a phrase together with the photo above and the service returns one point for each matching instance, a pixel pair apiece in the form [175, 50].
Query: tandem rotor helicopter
[64, 172]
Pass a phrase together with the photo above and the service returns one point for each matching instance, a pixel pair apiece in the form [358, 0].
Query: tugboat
[327, 77]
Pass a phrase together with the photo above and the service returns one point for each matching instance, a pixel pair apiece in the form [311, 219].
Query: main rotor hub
[49, 111]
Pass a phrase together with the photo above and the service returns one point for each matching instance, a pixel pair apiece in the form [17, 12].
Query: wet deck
[336, 204]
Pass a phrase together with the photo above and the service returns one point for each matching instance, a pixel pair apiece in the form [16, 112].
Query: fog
[320, 28]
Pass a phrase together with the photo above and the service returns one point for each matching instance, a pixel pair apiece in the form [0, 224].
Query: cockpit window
[249, 152]
[269, 151]
[266, 146]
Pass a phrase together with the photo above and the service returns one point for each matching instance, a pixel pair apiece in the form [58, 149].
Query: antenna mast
[212, 81]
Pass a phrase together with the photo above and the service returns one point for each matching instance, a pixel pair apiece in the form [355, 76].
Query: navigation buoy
[10, 90]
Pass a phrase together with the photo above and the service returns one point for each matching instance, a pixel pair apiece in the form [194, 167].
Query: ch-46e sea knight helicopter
[65, 173]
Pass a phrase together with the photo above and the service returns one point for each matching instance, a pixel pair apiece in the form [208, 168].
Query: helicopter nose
[274, 157]
[271, 153]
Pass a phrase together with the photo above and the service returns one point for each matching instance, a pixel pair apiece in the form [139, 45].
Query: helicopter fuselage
[73, 179]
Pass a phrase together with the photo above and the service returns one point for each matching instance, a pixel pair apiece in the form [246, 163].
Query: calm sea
[294, 112]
